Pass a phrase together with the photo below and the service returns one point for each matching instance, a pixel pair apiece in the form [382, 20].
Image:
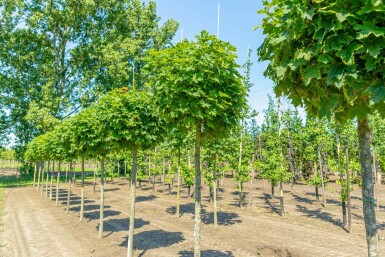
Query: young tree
[197, 85]
[127, 119]
[328, 56]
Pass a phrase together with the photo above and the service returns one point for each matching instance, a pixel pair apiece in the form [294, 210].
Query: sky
[237, 22]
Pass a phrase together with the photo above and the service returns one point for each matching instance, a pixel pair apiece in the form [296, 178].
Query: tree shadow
[302, 199]
[273, 208]
[94, 215]
[153, 239]
[207, 253]
[319, 214]
[87, 207]
[145, 198]
[123, 224]
[224, 218]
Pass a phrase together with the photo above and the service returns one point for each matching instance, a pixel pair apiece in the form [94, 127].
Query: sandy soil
[32, 226]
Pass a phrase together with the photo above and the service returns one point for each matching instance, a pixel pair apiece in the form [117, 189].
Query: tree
[328, 56]
[128, 120]
[196, 85]
[68, 53]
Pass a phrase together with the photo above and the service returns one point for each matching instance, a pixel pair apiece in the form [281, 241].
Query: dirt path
[34, 227]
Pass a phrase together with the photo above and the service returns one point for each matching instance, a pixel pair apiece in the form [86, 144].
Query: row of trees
[204, 105]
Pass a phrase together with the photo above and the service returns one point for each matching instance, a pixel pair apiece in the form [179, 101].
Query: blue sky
[237, 19]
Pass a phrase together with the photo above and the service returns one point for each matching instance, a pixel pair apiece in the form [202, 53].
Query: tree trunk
[95, 170]
[163, 174]
[130, 246]
[348, 191]
[322, 177]
[68, 197]
[240, 194]
[197, 218]
[281, 198]
[343, 202]
[47, 179]
[82, 194]
[215, 193]
[101, 216]
[34, 173]
[367, 188]
[316, 194]
[251, 181]
[178, 189]
[40, 168]
[42, 179]
[51, 186]
[189, 191]
[57, 185]
[272, 191]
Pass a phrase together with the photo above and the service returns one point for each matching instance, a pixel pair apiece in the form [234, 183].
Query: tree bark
[34, 173]
[215, 192]
[130, 246]
[343, 202]
[348, 191]
[322, 177]
[82, 194]
[57, 185]
[51, 186]
[39, 175]
[69, 191]
[101, 214]
[42, 179]
[281, 199]
[251, 181]
[197, 218]
[46, 181]
[178, 189]
[367, 188]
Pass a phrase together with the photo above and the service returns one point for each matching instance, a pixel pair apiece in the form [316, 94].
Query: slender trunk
[188, 191]
[101, 214]
[130, 246]
[68, 197]
[272, 190]
[95, 170]
[68, 169]
[40, 168]
[240, 167]
[322, 177]
[51, 186]
[163, 175]
[125, 169]
[348, 191]
[34, 173]
[240, 194]
[215, 192]
[316, 194]
[178, 189]
[42, 179]
[57, 185]
[46, 181]
[341, 179]
[82, 194]
[281, 198]
[197, 218]
[251, 181]
[367, 188]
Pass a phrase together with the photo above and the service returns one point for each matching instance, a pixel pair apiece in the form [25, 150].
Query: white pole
[219, 9]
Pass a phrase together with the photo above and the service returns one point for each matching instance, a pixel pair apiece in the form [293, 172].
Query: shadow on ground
[207, 253]
[224, 218]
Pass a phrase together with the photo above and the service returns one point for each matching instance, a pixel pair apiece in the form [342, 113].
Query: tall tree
[197, 85]
[328, 56]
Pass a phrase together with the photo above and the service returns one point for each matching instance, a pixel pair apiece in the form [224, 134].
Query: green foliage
[26, 170]
[198, 81]
[326, 55]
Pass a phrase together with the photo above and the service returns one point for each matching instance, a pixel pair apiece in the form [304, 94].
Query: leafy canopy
[327, 55]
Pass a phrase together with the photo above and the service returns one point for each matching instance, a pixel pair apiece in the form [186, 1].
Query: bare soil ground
[32, 226]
